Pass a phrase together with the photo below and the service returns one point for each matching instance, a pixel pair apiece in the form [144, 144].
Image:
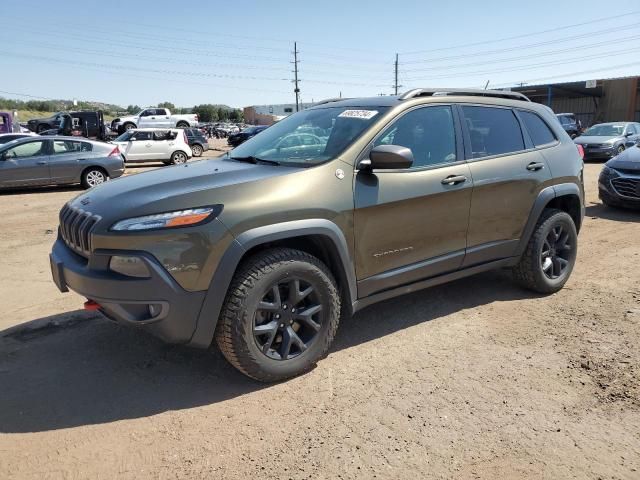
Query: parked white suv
[154, 144]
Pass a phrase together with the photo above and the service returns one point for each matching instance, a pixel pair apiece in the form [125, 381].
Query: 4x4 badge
[340, 174]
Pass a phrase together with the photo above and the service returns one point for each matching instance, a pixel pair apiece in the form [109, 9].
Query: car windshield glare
[310, 137]
[604, 131]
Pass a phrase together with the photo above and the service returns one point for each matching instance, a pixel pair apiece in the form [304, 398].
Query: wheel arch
[565, 196]
[319, 237]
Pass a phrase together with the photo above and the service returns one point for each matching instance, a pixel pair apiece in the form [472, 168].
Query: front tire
[548, 260]
[93, 176]
[280, 315]
[178, 157]
[182, 125]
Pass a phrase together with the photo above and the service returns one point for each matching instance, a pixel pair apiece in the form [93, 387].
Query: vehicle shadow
[599, 210]
[91, 371]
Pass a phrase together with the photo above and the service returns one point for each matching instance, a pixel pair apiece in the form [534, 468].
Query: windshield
[124, 137]
[604, 130]
[311, 136]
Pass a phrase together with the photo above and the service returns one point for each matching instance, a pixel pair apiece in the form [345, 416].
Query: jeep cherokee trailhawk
[334, 208]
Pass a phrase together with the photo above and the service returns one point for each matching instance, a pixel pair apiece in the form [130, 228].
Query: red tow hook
[91, 305]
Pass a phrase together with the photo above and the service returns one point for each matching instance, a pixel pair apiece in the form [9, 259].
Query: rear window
[70, 146]
[493, 131]
[538, 130]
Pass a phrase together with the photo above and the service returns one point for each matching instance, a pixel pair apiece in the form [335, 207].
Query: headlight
[179, 218]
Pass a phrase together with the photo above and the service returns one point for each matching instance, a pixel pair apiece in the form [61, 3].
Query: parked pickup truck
[154, 118]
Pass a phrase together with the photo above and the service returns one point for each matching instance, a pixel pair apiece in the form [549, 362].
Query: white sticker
[363, 114]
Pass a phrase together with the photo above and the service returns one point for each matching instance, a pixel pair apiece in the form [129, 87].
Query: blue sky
[239, 53]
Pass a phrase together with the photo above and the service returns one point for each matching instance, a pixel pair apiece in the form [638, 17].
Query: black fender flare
[210, 311]
[544, 197]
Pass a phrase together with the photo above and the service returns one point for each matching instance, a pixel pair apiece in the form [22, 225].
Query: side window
[68, 146]
[27, 150]
[161, 111]
[632, 129]
[143, 136]
[160, 135]
[429, 132]
[493, 131]
[539, 131]
[148, 112]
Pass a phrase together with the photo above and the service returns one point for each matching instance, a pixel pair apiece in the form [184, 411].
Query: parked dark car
[236, 139]
[40, 160]
[570, 123]
[39, 125]
[619, 182]
[88, 124]
[606, 140]
[197, 141]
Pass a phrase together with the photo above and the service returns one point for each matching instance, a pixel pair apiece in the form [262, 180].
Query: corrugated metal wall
[583, 107]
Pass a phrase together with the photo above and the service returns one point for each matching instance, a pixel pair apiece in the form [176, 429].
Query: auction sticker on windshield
[363, 114]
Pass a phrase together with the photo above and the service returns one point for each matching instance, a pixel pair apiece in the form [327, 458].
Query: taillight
[580, 150]
[184, 135]
[115, 152]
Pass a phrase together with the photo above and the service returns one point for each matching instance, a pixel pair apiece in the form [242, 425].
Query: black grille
[75, 228]
[628, 187]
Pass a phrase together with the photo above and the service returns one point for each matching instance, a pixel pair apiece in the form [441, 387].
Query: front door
[412, 224]
[508, 170]
[140, 148]
[26, 164]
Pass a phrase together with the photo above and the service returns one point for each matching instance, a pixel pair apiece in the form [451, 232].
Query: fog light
[129, 266]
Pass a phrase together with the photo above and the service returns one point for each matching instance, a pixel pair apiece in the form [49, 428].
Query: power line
[520, 57]
[520, 47]
[524, 35]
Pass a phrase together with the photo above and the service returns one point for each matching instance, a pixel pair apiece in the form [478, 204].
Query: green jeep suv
[332, 209]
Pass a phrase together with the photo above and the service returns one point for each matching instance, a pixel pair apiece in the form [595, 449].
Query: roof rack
[329, 100]
[463, 92]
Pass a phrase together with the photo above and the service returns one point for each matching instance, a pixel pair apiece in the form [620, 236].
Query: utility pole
[395, 85]
[295, 70]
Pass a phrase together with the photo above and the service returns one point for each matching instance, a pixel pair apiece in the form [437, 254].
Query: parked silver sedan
[58, 160]
[606, 140]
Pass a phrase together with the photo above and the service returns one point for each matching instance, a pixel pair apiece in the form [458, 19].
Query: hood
[627, 160]
[589, 139]
[193, 184]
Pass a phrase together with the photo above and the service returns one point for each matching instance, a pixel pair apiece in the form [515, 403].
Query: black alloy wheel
[288, 319]
[556, 252]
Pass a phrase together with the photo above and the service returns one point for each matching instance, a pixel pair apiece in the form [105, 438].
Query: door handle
[42, 162]
[535, 166]
[454, 180]
[148, 145]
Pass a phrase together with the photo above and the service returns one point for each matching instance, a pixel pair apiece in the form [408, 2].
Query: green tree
[168, 105]
[133, 109]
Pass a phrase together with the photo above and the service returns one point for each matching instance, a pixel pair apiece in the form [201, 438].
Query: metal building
[593, 101]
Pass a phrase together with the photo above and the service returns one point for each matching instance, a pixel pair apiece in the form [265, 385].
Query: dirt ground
[474, 379]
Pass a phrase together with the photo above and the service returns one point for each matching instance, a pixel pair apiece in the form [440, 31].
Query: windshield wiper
[252, 159]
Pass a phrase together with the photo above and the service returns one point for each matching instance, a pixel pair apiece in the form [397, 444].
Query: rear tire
[182, 125]
[197, 150]
[128, 126]
[178, 157]
[548, 260]
[93, 176]
[280, 315]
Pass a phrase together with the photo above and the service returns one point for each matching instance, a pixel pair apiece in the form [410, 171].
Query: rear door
[163, 118]
[508, 172]
[160, 145]
[67, 160]
[26, 164]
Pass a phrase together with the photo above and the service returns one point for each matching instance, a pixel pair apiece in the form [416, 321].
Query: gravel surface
[474, 379]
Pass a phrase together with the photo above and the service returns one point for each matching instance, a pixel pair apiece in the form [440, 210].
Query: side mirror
[132, 139]
[387, 157]
[628, 134]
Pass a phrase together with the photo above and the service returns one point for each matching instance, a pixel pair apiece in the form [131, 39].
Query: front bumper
[156, 304]
[599, 153]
